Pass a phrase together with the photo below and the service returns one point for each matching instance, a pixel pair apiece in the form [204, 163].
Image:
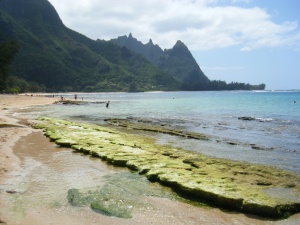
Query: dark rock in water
[11, 192]
[249, 118]
[261, 148]
[246, 118]
[231, 143]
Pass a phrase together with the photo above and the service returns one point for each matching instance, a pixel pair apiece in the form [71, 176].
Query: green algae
[119, 196]
[225, 183]
[112, 208]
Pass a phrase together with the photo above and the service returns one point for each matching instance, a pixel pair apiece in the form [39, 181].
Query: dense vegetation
[44, 55]
[12, 84]
[8, 50]
[61, 59]
[218, 85]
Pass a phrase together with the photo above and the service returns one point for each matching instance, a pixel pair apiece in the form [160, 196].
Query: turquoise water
[275, 127]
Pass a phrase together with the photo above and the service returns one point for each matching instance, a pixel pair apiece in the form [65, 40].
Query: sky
[249, 41]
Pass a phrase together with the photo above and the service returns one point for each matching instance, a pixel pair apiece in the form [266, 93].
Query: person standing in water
[107, 104]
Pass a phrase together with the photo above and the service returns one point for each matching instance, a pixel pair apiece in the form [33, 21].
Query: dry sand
[13, 129]
[17, 101]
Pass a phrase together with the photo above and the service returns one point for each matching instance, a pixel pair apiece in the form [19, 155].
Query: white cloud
[200, 24]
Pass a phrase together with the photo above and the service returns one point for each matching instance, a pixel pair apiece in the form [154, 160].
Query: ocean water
[271, 137]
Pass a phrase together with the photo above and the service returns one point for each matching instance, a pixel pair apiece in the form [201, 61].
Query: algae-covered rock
[120, 194]
[97, 200]
[229, 184]
[111, 209]
[75, 198]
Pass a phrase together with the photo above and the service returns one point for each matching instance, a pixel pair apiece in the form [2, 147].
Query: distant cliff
[177, 61]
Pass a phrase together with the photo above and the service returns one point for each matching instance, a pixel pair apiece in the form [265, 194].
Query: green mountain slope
[182, 65]
[64, 60]
[177, 61]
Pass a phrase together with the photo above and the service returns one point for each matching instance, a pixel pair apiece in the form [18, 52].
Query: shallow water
[47, 172]
[275, 128]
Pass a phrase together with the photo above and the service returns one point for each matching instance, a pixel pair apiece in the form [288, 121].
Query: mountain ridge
[60, 59]
[177, 61]
[64, 60]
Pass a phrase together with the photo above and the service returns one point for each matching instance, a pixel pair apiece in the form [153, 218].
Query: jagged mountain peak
[150, 42]
[177, 61]
[149, 51]
[179, 44]
[180, 50]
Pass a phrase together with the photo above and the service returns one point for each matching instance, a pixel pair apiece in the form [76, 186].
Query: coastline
[228, 184]
[13, 129]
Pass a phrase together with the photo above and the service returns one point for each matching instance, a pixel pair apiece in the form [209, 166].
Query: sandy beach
[11, 129]
[16, 130]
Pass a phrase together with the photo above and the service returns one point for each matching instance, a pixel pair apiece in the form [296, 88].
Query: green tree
[133, 87]
[8, 50]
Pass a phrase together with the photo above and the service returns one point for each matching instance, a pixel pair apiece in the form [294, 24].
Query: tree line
[219, 85]
[12, 84]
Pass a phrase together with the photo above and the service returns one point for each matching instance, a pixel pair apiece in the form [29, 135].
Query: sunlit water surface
[275, 127]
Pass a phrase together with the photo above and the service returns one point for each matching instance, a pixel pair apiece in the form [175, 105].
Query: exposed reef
[148, 126]
[245, 187]
[143, 125]
[79, 102]
[249, 118]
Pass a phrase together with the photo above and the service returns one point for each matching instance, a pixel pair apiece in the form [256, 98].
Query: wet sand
[11, 129]
[35, 176]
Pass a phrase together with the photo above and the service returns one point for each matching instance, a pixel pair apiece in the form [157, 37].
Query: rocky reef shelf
[234, 185]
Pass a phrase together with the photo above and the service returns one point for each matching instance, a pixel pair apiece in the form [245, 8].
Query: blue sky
[250, 41]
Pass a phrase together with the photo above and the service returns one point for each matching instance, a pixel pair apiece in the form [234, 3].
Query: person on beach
[107, 104]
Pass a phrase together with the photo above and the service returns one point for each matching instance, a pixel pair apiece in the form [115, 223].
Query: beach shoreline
[13, 129]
